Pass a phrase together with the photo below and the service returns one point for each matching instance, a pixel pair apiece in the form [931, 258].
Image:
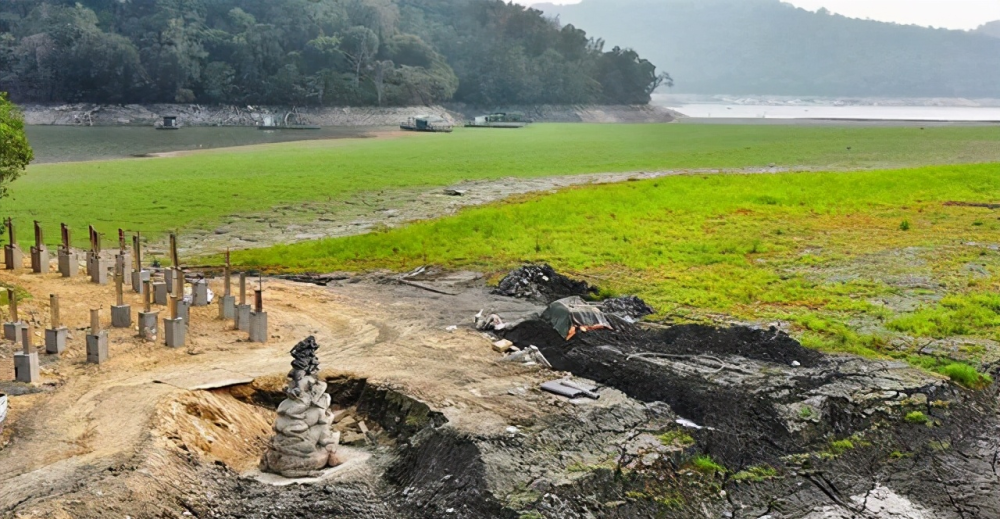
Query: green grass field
[875, 263]
[198, 190]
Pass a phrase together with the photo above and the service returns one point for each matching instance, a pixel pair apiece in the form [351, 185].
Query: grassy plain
[879, 263]
[198, 190]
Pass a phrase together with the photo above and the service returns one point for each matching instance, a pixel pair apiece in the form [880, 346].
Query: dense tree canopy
[15, 153]
[307, 52]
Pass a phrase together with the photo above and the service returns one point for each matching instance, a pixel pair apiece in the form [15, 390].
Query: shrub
[965, 375]
[905, 226]
[706, 465]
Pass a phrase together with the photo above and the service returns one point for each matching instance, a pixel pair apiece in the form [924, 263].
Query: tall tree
[15, 152]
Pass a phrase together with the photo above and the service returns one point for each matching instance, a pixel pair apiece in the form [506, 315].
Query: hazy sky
[953, 14]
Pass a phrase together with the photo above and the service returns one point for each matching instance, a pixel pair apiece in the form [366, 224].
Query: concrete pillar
[97, 340]
[175, 332]
[160, 293]
[40, 260]
[69, 263]
[149, 325]
[55, 340]
[168, 278]
[99, 272]
[184, 311]
[121, 316]
[227, 307]
[55, 337]
[12, 331]
[139, 279]
[124, 267]
[26, 367]
[258, 327]
[199, 293]
[97, 348]
[13, 257]
[243, 318]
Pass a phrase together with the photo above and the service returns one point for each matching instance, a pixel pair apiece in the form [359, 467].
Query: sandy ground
[88, 419]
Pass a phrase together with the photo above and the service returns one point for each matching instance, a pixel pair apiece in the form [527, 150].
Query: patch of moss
[916, 417]
[756, 474]
[676, 438]
[841, 446]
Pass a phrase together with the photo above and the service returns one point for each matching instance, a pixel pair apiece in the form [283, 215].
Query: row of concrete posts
[127, 269]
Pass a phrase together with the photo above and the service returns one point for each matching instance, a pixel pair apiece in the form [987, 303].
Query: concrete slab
[55, 340]
[184, 311]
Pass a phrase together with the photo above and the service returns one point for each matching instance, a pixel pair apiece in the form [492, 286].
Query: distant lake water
[74, 143]
[863, 113]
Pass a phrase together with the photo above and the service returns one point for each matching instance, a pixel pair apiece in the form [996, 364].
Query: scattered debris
[503, 346]
[451, 328]
[542, 284]
[573, 314]
[528, 356]
[316, 279]
[3, 410]
[455, 192]
[570, 389]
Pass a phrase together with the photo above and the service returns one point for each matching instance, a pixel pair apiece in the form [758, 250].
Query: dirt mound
[542, 284]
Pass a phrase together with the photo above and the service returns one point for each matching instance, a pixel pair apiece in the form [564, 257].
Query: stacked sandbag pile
[305, 442]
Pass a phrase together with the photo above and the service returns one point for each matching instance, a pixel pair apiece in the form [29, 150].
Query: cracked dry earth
[158, 432]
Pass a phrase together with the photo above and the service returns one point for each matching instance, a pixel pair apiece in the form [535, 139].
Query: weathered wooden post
[12, 328]
[227, 303]
[69, 265]
[39, 252]
[13, 256]
[121, 313]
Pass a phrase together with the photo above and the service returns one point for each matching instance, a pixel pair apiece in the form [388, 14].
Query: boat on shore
[499, 120]
[427, 123]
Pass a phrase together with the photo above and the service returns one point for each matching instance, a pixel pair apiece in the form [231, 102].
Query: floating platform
[291, 127]
[509, 126]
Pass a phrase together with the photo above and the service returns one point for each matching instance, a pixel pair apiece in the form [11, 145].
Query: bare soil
[160, 432]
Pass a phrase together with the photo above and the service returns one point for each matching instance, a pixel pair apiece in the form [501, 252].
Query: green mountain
[308, 52]
[761, 47]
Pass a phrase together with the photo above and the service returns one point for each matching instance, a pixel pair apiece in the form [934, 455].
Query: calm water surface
[72, 143]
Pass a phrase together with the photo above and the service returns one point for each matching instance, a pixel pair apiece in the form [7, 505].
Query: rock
[304, 443]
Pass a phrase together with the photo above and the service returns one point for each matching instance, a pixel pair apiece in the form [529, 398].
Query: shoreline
[134, 115]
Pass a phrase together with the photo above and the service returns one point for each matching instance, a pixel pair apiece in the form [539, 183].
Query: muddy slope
[845, 437]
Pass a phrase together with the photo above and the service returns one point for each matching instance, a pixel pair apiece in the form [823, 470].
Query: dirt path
[88, 419]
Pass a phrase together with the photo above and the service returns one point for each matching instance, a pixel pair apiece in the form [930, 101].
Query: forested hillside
[761, 47]
[308, 52]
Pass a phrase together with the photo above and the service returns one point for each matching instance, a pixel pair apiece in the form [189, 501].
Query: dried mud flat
[157, 432]
[390, 208]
